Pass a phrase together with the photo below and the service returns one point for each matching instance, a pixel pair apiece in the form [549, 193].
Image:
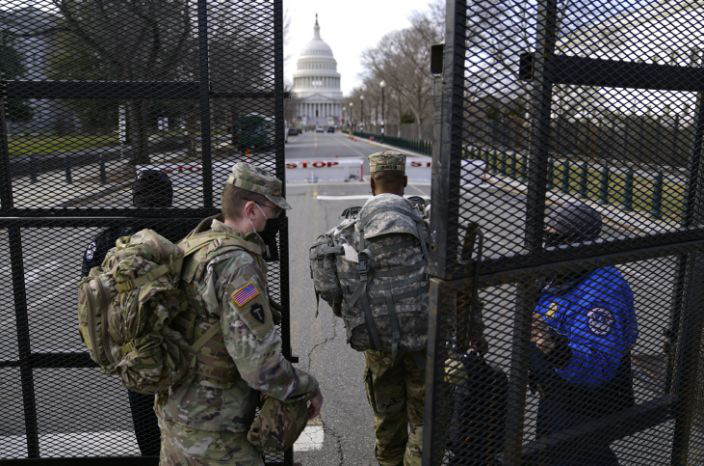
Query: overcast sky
[347, 27]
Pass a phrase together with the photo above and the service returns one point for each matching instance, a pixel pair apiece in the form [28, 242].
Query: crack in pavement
[324, 342]
[338, 440]
[326, 427]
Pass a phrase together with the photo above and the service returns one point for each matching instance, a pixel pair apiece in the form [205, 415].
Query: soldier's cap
[575, 221]
[388, 160]
[252, 178]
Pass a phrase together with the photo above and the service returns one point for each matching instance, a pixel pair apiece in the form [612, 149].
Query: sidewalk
[51, 189]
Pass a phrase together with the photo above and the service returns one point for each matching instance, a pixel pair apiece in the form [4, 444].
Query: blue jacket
[597, 321]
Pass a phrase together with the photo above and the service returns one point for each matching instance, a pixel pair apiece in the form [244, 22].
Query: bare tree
[130, 40]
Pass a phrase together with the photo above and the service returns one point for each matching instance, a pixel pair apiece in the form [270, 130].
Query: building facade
[316, 84]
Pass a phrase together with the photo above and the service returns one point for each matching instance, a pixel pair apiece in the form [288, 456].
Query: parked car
[319, 129]
[331, 129]
[253, 131]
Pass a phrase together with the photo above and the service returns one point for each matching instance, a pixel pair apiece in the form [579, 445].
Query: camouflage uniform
[205, 420]
[395, 386]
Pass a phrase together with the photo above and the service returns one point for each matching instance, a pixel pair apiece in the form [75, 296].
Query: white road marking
[311, 439]
[115, 443]
[67, 444]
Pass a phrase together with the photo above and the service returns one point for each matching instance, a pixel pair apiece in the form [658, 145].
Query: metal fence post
[656, 204]
[628, 191]
[583, 179]
[565, 176]
[513, 166]
[604, 184]
[551, 174]
[103, 175]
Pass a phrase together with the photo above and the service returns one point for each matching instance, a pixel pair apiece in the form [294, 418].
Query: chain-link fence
[93, 94]
[590, 117]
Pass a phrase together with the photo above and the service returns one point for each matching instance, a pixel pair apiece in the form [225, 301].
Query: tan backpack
[134, 314]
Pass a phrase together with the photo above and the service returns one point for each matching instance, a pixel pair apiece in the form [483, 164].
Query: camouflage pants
[183, 446]
[395, 390]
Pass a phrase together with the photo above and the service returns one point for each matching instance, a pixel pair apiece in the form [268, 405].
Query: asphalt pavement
[73, 403]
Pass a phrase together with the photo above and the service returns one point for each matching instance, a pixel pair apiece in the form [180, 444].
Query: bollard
[32, 170]
[493, 161]
[67, 169]
[583, 179]
[551, 170]
[565, 176]
[524, 166]
[628, 191]
[604, 185]
[513, 167]
[656, 207]
[504, 167]
[103, 176]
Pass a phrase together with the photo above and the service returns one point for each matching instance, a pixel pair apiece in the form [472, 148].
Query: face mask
[554, 239]
[268, 235]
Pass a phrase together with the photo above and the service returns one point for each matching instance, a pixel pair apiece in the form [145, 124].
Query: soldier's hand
[316, 403]
[540, 335]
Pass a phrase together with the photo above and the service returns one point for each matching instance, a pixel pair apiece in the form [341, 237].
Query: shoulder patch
[600, 321]
[90, 251]
[552, 310]
[241, 296]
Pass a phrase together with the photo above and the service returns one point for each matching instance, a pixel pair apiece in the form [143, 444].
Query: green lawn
[25, 145]
[643, 188]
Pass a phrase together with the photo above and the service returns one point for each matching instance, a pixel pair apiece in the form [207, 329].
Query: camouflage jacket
[232, 292]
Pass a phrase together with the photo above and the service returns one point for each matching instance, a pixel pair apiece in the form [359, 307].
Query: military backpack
[136, 316]
[372, 271]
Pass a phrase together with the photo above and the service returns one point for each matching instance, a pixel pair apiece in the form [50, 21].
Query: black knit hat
[575, 221]
[152, 188]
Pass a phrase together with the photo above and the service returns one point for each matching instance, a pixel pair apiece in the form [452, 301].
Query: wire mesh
[583, 107]
[101, 102]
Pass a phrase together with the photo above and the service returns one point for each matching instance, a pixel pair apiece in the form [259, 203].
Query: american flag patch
[242, 296]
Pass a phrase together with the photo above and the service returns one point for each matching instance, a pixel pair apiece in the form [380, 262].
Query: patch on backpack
[600, 321]
[257, 312]
[242, 296]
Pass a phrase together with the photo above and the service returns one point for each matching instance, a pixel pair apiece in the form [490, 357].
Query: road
[79, 404]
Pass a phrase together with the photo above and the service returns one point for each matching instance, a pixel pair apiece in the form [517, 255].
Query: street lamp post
[350, 116]
[361, 103]
[382, 84]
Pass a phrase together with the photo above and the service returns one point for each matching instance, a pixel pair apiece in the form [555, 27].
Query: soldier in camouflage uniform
[205, 420]
[395, 385]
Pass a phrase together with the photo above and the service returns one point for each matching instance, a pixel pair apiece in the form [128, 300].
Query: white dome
[317, 46]
[316, 84]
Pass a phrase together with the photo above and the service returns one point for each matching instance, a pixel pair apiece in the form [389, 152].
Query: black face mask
[553, 239]
[268, 235]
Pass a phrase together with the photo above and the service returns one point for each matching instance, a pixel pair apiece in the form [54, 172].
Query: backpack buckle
[363, 269]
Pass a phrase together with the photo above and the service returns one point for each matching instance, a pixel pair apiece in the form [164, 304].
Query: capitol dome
[316, 83]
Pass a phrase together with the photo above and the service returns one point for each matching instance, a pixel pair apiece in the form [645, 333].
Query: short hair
[152, 188]
[234, 199]
[390, 179]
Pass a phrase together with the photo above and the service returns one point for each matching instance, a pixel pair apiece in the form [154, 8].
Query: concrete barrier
[419, 170]
[330, 171]
[297, 171]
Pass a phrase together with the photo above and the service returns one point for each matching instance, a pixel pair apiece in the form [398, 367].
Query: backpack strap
[363, 268]
[153, 274]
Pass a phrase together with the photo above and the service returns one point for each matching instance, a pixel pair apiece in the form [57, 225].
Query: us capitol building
[316, 84]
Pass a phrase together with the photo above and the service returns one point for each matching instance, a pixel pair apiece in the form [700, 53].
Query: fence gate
[600, 103]
[92, 93]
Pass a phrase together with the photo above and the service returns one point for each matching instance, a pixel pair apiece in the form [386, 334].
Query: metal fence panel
[91, 94]
[568, 102]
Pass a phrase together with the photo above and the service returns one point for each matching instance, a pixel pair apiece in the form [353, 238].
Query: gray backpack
[372, 271]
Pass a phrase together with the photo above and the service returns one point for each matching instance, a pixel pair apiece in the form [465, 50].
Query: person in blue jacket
[584, 327]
